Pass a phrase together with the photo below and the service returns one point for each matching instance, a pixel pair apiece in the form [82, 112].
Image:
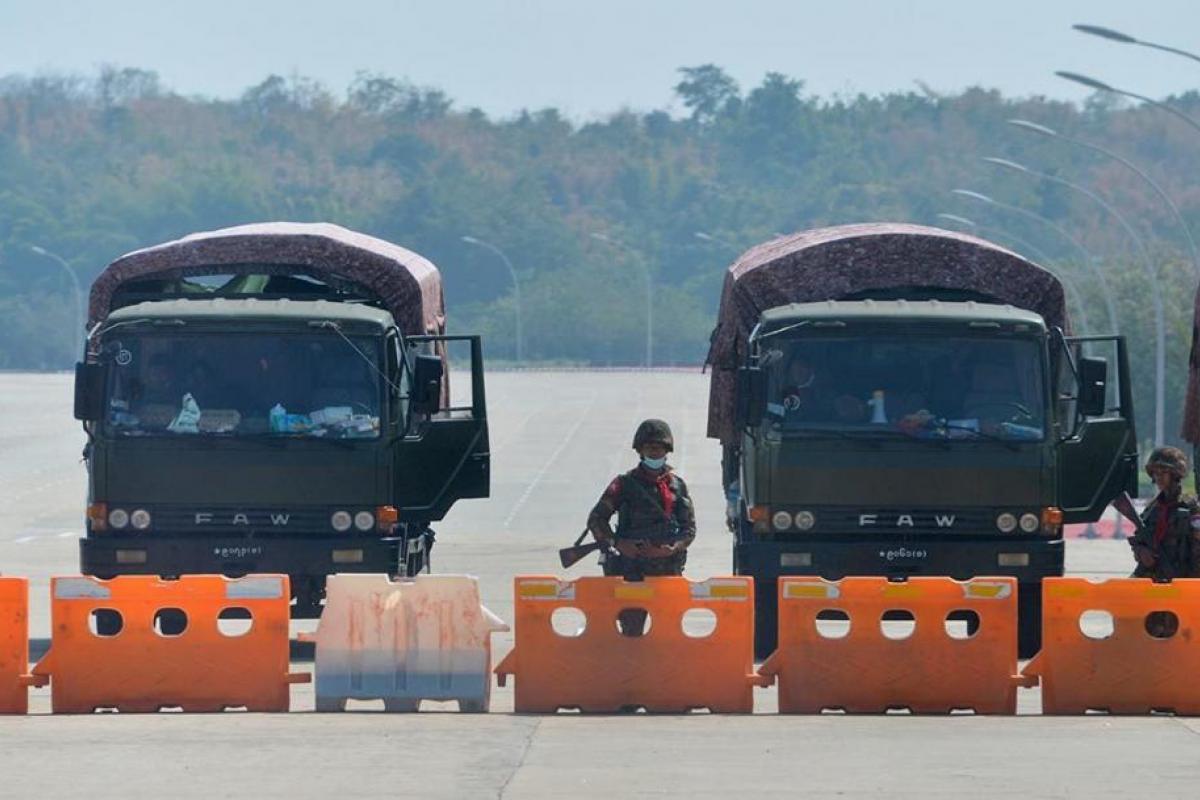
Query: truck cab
[233, 435]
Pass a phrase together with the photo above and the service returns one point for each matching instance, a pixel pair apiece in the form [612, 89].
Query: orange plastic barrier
[14, 646]
[200, 643]
[863, 670]
[1131, 670]
[669, 667]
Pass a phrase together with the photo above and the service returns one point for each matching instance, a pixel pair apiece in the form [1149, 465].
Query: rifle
[1142, 537]
[569, 556]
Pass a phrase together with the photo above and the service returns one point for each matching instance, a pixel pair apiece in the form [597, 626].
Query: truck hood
[904, 475]
[239, 473]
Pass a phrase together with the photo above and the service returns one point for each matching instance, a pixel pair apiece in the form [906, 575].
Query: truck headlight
[1030, 522]
[118, 518]
[1006, 522]
[805, 520]
[781, 520]
[364, 520]
[140, 519]
[341, 521]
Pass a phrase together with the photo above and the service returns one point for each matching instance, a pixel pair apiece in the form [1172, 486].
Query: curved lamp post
[1089, 260]
[708, 237]
[1160, 338]
[1101, 86]
[600, 237]
[1042, 130]
[516, 284]
[1124, 38]
[1043, 260]
[75, 288]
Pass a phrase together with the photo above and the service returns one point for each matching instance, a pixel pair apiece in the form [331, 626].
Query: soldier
[655, 519]
[1166, 547]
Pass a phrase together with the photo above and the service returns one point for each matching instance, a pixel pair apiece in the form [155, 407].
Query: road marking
[549, 462]
[24, 539]
[69, 534]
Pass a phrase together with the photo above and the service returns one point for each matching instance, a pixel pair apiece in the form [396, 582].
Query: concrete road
[557, 439]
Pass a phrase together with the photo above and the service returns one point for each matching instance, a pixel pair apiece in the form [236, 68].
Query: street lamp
[1042, 130]
[1160, 339]
[75, 287]
[708, 237]
[1124, 38]
[600, 237]
[1101, 86]
[516, 284]
[1043, 260]
[1088, 259]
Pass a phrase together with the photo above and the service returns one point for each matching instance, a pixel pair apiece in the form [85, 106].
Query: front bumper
[895, 558]
[162, 554]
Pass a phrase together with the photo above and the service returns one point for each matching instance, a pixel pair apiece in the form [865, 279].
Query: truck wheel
[766, 619]
[1029, 619]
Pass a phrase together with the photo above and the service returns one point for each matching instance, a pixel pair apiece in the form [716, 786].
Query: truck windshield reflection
[932, 387]
[303, 385]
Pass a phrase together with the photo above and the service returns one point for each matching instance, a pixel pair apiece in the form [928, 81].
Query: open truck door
[1097, 451]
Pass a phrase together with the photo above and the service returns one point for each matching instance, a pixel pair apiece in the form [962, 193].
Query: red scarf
[662, 480]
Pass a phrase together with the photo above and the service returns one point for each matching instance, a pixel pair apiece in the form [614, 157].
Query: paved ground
[557, 438]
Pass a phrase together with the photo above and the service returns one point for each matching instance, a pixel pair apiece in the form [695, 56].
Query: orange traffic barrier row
[141, 643]
[606, 644]
[1126, 646]
[14, 646]
[929, 644]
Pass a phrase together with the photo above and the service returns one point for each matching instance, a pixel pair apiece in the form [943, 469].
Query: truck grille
[901, 521]
[242, 521]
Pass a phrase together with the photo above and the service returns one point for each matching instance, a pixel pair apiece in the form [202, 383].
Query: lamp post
[1042, 130]
[600, 237]
[1042, 259]
[75, 288]
[1089, 260]
[1101, 86]
[516, 285]
[1124, 38]
[708, 237]
[1160, 338]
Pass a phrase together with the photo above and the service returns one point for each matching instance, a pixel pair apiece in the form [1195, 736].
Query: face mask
[655, 463]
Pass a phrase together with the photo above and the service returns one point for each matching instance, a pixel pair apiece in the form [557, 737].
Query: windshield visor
[221, 384]
[922, 386]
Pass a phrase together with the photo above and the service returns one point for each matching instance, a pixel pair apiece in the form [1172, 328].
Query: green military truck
[274, 398]
[899, 400]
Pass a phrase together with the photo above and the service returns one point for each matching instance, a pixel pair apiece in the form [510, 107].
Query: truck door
[1097, 445]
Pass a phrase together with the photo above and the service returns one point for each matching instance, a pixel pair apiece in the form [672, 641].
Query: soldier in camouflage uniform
[655, 519]
[1168, 546]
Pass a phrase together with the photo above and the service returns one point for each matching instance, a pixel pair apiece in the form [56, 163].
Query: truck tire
[766, 619]
[1029, 619]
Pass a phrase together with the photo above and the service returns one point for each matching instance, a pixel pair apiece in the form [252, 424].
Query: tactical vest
[641, 514]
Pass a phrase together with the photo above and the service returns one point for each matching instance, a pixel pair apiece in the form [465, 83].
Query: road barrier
[404, 641]
[664, 644]
[14, 646]
[929, 644]
[1126, 646]
[140, 643]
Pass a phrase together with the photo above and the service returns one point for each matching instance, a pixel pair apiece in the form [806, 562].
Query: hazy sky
[591, 58]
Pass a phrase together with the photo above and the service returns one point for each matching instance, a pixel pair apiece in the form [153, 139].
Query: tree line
[592, 214]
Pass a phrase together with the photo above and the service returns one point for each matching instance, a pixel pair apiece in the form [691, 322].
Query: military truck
[900, 400]
[274, 398]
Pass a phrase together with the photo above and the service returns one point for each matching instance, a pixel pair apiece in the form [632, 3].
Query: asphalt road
[557, 439]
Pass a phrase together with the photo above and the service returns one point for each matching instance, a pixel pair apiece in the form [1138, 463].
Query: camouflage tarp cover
[408, 285]
[831, 263]
[1191, 407]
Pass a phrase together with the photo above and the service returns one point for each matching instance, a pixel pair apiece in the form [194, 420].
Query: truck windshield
[924, 386]
[223, 384]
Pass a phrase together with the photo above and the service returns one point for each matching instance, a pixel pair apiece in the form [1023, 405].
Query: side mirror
[751, 396]
[89, 391]
[427, 384]
[1093, 386]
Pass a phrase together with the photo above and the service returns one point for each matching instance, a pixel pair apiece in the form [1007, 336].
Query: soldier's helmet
[654, 430]
[1171, 459]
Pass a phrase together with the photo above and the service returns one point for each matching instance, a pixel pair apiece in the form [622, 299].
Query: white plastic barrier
[404, 641]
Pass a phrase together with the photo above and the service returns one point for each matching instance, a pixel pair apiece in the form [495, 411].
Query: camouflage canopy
[393, 278]
[1191, 406]
[851, 261]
